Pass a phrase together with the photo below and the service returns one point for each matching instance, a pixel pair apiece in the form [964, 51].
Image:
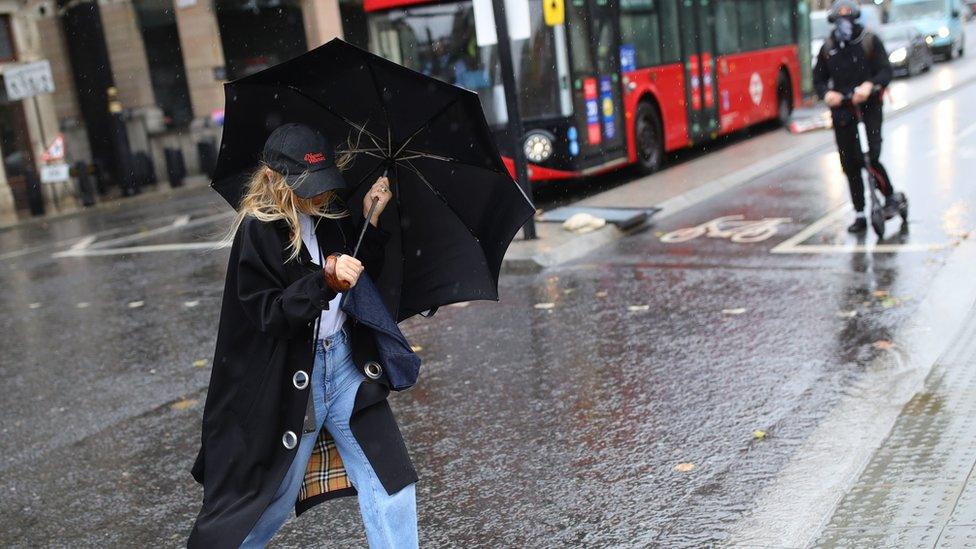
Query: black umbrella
[455, 210]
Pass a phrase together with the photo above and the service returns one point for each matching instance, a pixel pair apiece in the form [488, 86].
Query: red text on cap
[314, 158]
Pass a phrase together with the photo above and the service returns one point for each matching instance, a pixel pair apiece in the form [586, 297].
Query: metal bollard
[35, 196]
[207, 152]
[86, 187]
[175, 168]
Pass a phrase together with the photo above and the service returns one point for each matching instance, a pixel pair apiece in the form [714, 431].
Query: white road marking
[175, 247]
[181, 221]
[795, 244]
[84, 242]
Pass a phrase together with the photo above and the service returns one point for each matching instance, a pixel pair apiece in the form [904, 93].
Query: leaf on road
[602, 293]
[544, 306]
[416, 348]
[183, 404]
[883, 345]
[737, 311]
[35, 305]
[200, 363]
[684, 467]
[846, 314]
[461, 304]
[136, 304]
[880, 293]
[638, 308]
[759, 435]
[191, 304]
[83, 304]
[568, 291]
[890, 302]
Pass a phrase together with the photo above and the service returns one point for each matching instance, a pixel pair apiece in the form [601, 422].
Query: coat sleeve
[880, 66]
[372, 252]
[272, 306]
[821, 74]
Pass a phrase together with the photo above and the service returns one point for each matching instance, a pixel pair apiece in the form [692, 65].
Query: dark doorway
[259, 33]
[157, 23]
[15, 145]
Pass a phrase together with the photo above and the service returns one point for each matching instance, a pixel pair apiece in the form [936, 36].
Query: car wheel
[648, 138]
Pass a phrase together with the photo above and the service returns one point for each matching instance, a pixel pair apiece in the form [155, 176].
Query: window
[779, 22]
[579, 37]
[638, 28]
[157, 23]
[670, 37]
[751, 31]
[7, 50]
[727, 26]
[258, 35]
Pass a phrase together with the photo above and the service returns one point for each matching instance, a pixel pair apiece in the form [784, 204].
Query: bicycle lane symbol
[733, 227]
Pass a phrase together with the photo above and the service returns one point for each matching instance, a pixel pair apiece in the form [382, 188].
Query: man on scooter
[851, 72]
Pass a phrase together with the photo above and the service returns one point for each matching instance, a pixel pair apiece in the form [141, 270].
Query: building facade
[135, 78]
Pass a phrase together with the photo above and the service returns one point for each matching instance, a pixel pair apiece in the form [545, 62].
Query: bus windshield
[440, 41]
[911, 11]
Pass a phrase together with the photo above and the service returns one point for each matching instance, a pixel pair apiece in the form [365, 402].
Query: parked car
[908, 52]
[820, 29]
[940, 21]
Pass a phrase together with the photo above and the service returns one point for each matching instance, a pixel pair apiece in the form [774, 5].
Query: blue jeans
[390, 520]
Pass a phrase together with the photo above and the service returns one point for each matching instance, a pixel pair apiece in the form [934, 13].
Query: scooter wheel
[903, 207]
[878, 222]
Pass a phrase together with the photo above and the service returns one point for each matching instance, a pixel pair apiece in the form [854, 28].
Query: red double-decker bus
[616, 82]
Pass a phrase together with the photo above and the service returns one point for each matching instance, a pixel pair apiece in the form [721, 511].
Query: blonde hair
[269, 198]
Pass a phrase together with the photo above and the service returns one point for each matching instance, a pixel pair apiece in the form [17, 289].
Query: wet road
[572, 424]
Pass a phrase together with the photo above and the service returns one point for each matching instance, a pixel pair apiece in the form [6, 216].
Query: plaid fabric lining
[325, 471]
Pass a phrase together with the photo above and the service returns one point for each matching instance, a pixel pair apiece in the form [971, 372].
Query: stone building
[159, 75]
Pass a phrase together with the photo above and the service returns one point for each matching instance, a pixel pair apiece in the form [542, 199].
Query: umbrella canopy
[455, 209]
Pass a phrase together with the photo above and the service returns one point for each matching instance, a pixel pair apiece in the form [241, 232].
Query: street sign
[55, 173]
[554, 12]
[28, 80]
[55, 151]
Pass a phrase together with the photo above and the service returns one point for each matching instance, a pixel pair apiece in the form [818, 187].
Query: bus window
[779, 22]
[727, 27]
[638, 27]
[751, 31]
[670, 37]
[579, 38]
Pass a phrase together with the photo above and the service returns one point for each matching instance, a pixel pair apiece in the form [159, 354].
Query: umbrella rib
[425, 154]
[328, 109]
[424, 126]
[443, 199]
[386, 113]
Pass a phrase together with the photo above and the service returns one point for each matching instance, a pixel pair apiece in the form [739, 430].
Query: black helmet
[833, 15]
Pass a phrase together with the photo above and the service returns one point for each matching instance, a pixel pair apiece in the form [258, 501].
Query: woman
[296, 411]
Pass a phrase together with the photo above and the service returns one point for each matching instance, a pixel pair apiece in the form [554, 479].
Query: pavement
[741, 372]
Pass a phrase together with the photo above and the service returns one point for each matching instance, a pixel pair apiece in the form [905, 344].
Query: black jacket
[842, 66]
[265, 337]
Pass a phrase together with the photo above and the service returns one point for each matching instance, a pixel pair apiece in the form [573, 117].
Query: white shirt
[332, 318]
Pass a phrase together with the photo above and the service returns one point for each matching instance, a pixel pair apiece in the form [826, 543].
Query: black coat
[841, 67]
[264, 337]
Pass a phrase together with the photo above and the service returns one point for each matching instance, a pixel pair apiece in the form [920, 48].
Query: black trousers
[851, 157]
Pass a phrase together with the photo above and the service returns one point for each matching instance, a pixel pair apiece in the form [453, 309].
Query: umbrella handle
[369, 216]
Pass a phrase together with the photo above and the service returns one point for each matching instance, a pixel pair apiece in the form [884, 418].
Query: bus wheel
[647, 137]
[784, 100]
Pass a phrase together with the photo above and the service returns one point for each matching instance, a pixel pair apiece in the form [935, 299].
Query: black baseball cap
[304, 157]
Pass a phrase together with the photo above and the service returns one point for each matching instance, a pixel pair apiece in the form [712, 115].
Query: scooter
[878, 217]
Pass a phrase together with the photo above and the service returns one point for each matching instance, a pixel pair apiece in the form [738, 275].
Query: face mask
[845, 29]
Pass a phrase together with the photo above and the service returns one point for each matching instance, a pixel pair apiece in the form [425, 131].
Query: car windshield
[819, 28]
[911, 11]
[895, 34]
[441, 41]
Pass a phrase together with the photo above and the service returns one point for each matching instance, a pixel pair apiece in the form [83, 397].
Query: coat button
[300, 379]
[373, 370]
[289, 439]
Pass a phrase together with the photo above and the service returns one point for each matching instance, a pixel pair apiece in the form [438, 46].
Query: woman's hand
[381, 192]
[342, 272]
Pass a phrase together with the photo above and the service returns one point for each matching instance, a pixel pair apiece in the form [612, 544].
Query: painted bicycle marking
[733, 227]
